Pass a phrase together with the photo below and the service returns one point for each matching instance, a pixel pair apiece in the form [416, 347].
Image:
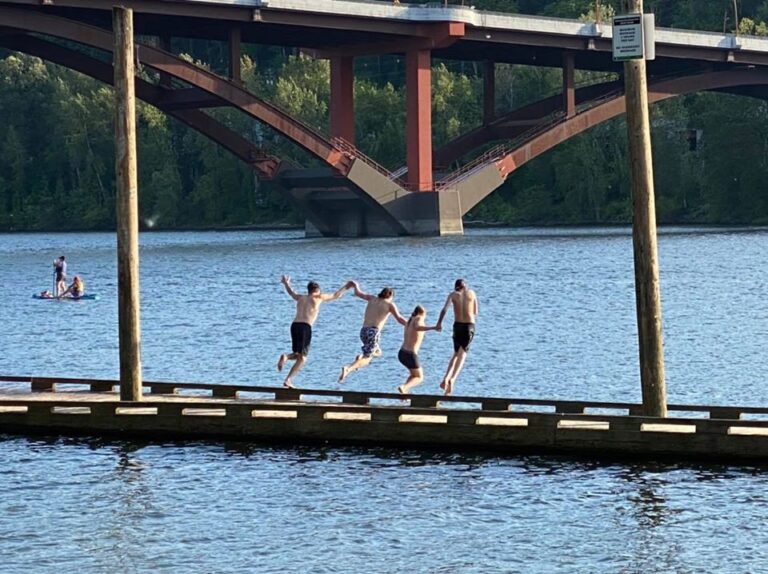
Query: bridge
[351, 195]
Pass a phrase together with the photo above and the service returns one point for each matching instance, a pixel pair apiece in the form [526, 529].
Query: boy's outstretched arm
[286, 281]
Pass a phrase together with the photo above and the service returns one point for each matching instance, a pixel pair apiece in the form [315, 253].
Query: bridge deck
[507, 425]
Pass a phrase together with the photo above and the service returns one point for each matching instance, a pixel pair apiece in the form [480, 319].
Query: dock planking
[258, 413]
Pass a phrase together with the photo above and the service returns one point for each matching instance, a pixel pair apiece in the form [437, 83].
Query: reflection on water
[184, 505]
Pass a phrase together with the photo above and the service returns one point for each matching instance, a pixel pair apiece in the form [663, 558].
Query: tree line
[57, 155]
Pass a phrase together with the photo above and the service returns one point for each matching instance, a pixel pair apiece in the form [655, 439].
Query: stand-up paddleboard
[89, 297]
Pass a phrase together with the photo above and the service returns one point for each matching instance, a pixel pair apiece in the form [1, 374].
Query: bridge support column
[342, 112]
[569, 88]
[418, 79]
[235, 51]
[489, 92]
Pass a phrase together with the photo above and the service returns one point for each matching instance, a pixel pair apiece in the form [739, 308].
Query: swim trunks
[301, 337]
[370, 337]
[408, 359]
[463, 333]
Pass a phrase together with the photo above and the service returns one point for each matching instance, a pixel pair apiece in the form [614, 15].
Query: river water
[557, 320]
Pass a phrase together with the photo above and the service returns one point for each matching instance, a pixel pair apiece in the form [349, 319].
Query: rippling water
[556, 321]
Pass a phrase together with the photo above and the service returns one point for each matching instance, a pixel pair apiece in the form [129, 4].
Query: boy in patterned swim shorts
[377, 311]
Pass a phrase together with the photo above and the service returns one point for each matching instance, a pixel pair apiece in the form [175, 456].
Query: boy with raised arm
[409, 352]
[377, 311]
[464, 302]
[307, 308]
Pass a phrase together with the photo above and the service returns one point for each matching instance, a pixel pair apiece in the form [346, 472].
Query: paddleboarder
[60, 276]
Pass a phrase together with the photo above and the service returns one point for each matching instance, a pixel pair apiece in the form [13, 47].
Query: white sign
[628, 37]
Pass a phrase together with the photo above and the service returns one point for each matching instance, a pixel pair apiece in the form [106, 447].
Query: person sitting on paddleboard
[60, 269]
[76, 290]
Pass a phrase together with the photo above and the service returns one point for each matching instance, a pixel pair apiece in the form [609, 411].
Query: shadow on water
[647, 474]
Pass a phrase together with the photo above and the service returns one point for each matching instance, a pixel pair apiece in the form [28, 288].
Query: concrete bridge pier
[365, 202]
[341, 214]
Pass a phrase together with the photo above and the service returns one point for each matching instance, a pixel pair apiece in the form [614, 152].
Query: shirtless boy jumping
[377, 312]
[307, 308]
[409, 352]
[465, 310]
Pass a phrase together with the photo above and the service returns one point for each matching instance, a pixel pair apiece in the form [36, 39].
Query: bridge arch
[225, 91]
[503, 163]
[249, 153]
[365, 180]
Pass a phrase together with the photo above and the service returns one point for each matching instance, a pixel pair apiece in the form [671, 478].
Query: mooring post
[647, 290]
[127, 207]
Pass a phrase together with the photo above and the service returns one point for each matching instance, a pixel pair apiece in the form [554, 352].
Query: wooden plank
[224, 392]
[423, 419]
[346, 416]
[354, 399]
[423, 401]
[102, 387]
[502, 421]
[569, 407]
[43, 386]
[583, 425]
[274, 414]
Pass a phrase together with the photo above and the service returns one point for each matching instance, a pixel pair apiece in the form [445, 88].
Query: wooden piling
[644, 235]
[127, 207]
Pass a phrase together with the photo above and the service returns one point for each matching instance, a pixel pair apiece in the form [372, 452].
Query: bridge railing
[346, 147]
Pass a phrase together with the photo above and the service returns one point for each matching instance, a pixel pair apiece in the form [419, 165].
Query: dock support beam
[342, 112]
[127, 207]
[418, 79]
[647, 289]
[569, 88]
[489, 92]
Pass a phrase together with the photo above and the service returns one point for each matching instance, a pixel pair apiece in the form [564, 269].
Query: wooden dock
[267, 414]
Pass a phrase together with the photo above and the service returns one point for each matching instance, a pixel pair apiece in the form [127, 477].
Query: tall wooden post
[647, 290]
[127, 207]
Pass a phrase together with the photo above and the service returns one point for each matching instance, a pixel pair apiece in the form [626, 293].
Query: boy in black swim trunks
[409, 352]
[307, 308]
[465, 309]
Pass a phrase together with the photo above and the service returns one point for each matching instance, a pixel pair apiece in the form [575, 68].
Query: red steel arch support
[342, 112]
[306, 137]
[418, 77]
[265, 165]
[471, 195]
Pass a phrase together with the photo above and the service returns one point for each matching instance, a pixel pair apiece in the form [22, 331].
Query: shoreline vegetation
[57, 151]
[666, 228]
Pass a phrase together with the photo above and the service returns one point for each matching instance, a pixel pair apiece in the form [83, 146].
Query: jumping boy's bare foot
[281, 362]
[343, 375]
[288, 384]
[448, 388]
[442, 384]
[401, 390]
